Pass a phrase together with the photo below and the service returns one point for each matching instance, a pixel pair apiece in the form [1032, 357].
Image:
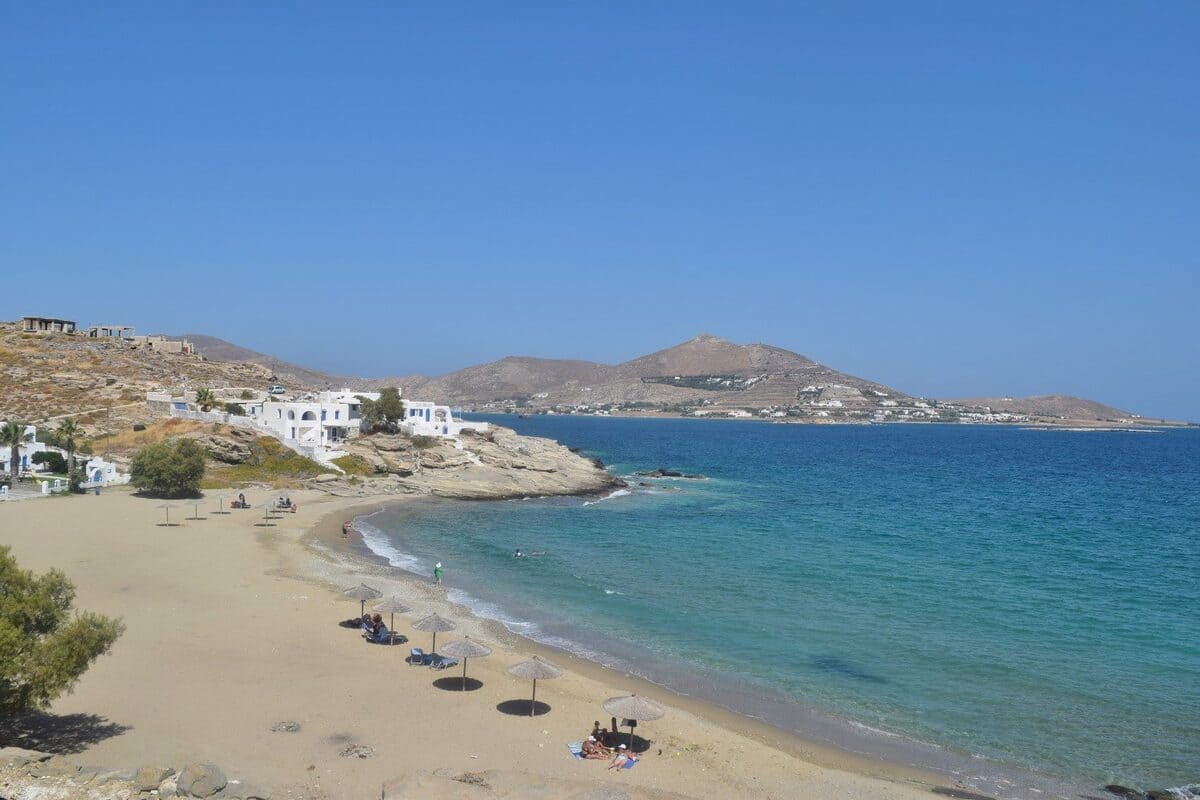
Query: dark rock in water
[597, 463]
[1124, 791]
[961, 794]
[1162, 794]
[669, 473]
[200, 780]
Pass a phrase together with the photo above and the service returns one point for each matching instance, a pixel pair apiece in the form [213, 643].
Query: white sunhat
[620, 747]
[591, 738]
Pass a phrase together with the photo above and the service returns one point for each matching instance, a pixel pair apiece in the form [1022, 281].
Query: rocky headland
[495, 465]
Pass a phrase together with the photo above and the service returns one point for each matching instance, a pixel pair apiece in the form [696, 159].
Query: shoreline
[325, 538]
[232, 628]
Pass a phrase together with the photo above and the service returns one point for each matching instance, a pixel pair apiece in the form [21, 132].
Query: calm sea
[1018, 607]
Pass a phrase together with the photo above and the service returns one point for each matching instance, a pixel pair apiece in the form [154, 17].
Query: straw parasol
[392, 606]
[362, 593]
[434, 624]
[166, 507]
[464, 649]
[535, 669]
[633, 708]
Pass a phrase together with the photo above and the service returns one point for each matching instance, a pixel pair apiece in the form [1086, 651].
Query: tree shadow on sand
[456, 684]
[57, 733]
[520, 708]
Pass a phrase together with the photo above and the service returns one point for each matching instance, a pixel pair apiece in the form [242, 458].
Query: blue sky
[952, 198]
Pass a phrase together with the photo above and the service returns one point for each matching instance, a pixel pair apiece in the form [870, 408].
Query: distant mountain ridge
[702, 376]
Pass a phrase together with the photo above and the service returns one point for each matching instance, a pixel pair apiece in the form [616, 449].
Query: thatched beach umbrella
[633, 708]
[166, 507]
[362, 593]
[393, 606]
[434, 624]
[464, 649]
[535, 670]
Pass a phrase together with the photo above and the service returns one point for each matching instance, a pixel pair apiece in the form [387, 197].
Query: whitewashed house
[28, 447]
[423, 418]
[323, 420]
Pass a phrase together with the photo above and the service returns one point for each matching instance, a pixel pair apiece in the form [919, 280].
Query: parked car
[276, 389]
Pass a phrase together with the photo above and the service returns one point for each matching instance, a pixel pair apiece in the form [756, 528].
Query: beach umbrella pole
[433, 649]
[464, 680]
[533, 702]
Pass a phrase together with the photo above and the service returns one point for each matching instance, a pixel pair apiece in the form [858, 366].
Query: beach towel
[576, 749]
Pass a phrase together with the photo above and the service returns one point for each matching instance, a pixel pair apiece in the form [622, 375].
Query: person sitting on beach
[600, 734]
[381, 635]
[593, 749]
[622, 757]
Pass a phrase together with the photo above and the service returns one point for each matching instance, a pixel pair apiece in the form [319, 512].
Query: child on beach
[437, 572]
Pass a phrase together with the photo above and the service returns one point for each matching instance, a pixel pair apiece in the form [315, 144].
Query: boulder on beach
[200, 780]
[148, 778]
[1124, 791]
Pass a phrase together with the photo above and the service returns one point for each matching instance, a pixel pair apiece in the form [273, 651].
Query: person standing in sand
[437, 572]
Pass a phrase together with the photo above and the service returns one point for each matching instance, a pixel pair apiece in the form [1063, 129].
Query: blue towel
[576, 749]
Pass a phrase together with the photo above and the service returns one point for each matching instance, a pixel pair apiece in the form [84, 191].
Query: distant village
[314, 424]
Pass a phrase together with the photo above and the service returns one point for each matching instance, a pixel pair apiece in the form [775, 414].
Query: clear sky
[953, 198]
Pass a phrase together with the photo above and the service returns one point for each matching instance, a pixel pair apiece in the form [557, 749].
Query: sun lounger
[442, 662]
[576, 749]
[416, 656]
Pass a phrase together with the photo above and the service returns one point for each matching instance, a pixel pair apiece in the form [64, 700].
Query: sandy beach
[232, 628]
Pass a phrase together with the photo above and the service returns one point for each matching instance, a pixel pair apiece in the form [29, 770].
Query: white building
[28, 447]
[423, 418]
[324, 420]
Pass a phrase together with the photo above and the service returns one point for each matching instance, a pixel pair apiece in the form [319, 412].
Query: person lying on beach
[622, 758]
[593, 749]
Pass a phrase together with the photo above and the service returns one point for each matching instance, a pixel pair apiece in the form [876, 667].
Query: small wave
[609, 496]
[486, 610]
[1189, 792]
[378, 543]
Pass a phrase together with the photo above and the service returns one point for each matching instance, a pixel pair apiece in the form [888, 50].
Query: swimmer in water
[517, 554]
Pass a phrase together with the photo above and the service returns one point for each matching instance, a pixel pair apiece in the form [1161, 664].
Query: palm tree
[67, 431]
[12, 434]
[205, 399]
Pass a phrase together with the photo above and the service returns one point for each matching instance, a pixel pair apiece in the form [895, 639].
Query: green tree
[172, 468]
[12, 435]
[53, 461]
[205, 399]
[67, 432]
[235, 408]
[385, 413]
[44, 649]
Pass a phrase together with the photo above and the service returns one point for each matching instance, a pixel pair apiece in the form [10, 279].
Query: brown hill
[1050, 405]
[296, 376]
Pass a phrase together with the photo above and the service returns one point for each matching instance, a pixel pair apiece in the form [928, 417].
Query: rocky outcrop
[229, 445]
[670, 473]
[32, 774]
[200, 780]
[498, 464]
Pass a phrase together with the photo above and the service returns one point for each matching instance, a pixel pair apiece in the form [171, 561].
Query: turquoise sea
[1020, 608]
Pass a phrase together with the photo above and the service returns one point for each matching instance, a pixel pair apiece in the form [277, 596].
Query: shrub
[53, 461]
[423, 442]
[354, 465]
[246, 394]
[44, 647]
[172, 468]
[235, 408]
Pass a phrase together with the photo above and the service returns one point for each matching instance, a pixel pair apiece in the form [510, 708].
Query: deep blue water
[1032, 597]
